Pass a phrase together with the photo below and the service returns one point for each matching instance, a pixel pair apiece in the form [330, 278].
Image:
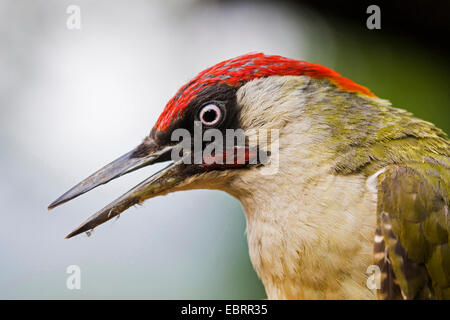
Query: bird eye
[210, 114]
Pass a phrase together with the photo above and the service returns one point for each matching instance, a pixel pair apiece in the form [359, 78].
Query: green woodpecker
[358, 183]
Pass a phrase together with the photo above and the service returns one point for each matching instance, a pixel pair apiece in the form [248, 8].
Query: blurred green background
[73, 100]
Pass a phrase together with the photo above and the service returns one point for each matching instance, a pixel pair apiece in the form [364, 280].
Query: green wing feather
[413, 201]
[412, 237]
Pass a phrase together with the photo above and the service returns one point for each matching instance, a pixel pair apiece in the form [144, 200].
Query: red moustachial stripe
[237, 71]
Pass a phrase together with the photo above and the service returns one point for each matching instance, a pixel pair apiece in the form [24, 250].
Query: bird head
[247, 94]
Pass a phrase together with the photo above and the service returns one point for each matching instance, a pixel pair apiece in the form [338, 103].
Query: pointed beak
[158, 184]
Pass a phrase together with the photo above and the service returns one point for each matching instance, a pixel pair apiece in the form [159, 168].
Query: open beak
[157, 184]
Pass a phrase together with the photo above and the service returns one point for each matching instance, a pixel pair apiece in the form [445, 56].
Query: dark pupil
[209, 115]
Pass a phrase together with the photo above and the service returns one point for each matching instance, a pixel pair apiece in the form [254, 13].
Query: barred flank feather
[389, 290]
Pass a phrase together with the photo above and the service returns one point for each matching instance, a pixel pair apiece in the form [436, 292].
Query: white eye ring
[210, 114]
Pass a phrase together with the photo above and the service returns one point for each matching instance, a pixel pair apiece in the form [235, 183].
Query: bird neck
[302, 242]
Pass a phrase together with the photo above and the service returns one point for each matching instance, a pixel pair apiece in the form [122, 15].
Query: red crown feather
[239, 70]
